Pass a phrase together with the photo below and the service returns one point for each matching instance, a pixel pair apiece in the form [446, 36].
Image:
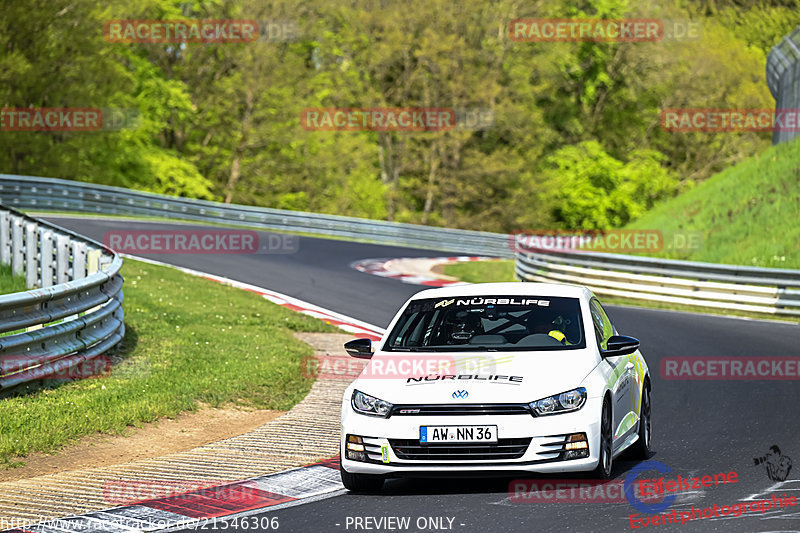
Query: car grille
[411, 449]
[462, 409]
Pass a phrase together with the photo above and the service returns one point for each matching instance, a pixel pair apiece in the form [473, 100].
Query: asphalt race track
[699, 427]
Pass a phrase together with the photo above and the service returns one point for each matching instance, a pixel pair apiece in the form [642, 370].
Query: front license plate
[457, 434]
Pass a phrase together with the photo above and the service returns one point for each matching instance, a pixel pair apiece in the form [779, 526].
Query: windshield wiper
[464, 348]
[453, 348]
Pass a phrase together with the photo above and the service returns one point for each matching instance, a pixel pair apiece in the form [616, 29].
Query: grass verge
[748, 214]
[188, 340]
[10, 283]
[482, 271]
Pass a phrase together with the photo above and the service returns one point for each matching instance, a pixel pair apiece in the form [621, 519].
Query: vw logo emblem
[460, 394]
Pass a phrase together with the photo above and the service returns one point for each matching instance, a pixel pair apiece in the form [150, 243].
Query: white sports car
[495, 378]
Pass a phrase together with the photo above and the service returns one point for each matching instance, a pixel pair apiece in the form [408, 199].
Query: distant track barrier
[761, 290]
[48, 194]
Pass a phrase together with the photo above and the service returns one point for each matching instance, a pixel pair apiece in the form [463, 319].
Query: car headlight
[370, 405]
[560, 403]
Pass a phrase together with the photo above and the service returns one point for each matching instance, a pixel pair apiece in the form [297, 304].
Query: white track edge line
[243, 285]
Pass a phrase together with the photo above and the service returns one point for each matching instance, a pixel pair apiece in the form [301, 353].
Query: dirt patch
[326, 343]
[439, 269]
[165, 436]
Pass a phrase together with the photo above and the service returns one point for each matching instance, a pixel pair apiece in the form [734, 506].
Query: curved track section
[700, 427]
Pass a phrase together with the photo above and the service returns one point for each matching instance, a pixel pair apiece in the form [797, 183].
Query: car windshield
[484, 323]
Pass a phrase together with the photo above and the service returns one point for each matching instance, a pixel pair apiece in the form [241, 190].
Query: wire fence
[783, 78]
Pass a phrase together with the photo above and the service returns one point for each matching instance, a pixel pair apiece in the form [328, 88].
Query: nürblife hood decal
[493, 378]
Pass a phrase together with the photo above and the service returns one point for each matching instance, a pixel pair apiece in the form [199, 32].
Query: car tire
[605, 465]
[360, 482]
[641, 448]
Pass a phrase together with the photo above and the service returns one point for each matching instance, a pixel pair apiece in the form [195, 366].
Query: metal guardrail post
[78, 260]
[93, 258]
[47, 257]
[31, 254]
[5, 238]
[16, 246]
[62, 259]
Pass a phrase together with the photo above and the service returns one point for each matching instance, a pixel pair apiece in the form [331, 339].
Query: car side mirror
[361, 348]
[620, 345]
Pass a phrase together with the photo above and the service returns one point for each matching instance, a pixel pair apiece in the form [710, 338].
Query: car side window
[603, 328]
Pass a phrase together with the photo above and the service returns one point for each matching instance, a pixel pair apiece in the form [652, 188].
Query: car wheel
[605, 464]
[360, 482]
[641, 448]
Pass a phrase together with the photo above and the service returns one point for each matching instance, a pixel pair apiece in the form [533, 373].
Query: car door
[622, 378]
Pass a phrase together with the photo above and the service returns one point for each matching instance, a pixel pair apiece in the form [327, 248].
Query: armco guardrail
[72, 311]
[45, 194]
[761, 290]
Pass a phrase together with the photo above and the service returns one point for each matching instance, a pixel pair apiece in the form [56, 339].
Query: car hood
[487, 377]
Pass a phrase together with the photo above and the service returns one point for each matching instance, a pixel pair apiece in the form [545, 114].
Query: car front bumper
[384, 437]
